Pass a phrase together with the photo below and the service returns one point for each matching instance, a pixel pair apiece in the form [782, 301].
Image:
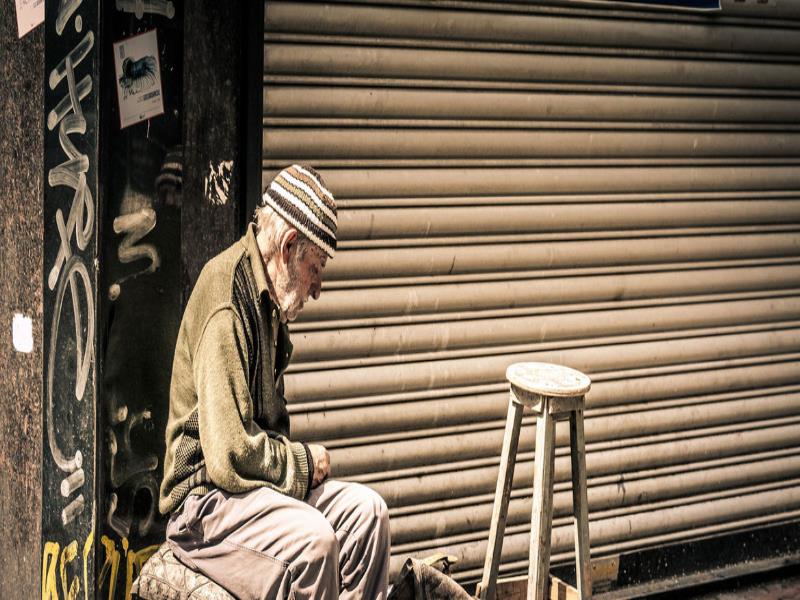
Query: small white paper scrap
[30, 13]
[138, 79]
[22, 331]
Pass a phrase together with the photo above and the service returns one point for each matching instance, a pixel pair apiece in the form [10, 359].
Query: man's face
[303, 280]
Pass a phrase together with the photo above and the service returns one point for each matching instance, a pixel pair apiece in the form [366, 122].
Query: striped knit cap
[299, 195]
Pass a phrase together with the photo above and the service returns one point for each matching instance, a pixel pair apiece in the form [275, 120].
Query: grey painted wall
[21, 135]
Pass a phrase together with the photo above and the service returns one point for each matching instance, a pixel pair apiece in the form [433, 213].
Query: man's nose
[315, 289]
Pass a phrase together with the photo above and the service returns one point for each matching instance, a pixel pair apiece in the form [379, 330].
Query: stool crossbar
[552, 392]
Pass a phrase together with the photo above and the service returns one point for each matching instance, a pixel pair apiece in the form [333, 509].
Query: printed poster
[138, 79]
[29, 14]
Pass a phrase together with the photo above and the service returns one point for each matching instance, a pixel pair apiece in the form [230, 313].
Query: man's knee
[373, 511]
[321, 544]
[381, 511]
[382, 520]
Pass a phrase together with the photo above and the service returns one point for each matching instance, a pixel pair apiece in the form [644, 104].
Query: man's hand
[322, 463]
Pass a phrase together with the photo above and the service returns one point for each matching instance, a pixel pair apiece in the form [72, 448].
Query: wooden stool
[552, 392]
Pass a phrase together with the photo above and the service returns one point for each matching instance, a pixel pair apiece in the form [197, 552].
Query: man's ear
[287, 242]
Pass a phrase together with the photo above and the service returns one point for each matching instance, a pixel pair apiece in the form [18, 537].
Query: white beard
[291, 305]
[290, 300]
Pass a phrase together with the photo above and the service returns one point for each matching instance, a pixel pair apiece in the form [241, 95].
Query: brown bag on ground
[418, 580]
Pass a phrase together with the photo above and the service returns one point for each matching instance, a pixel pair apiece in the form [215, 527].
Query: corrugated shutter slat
[608, 188]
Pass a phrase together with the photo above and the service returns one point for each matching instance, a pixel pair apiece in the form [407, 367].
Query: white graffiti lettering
[130, 474]
[75, 266]
[135, 226]
[72, 483]
[120, 514]
[72, 510]
[124, 462]
[76, 56]
[65, 105]
[66, 9]
[142, 7]
[72, 173]
[69, 270]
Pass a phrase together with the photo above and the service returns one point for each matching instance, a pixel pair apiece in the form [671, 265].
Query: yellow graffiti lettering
[63, 584]
[49, 558]
[134, 564]
[67, 556]
[111, 564]
[87, 547]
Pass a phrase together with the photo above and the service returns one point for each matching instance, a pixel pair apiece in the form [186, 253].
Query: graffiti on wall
[98, 528]
[218, 182]
[140, 309]
[140, 8]
[131, 473]
[134, 226]
[69, 275]
[70, 211]
[65, 571]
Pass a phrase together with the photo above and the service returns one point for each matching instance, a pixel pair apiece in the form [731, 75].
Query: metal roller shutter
[612, 189]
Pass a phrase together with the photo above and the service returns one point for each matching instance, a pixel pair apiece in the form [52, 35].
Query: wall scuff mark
[218, 182]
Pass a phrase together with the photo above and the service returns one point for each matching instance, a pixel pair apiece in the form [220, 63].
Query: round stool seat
[546, 379]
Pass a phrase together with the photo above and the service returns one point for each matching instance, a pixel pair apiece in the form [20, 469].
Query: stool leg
[508, 457]
[542, 514]
[580, 504]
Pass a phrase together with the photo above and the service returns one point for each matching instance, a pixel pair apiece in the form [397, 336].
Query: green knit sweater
[228, 425]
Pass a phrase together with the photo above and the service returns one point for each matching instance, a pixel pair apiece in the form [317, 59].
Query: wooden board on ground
[516, 588]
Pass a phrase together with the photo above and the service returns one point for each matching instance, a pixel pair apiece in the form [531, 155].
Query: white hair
[266, 219]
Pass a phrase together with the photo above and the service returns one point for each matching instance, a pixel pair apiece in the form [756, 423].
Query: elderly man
[250, 507]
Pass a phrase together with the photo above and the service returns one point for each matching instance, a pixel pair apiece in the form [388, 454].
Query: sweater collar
[254, 254]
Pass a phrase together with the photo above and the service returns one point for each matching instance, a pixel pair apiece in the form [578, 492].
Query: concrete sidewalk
[782, 584]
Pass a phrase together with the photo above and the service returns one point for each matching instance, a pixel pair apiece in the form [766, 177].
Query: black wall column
[71, 218]
[112, 293]
[215, 43]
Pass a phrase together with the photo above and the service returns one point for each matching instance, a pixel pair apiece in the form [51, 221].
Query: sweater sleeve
[239, 455]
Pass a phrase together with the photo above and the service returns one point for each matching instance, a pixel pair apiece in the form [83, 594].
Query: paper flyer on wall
[138, 78]
[30, 13]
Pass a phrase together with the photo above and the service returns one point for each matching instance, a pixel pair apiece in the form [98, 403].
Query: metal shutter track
[616, 190]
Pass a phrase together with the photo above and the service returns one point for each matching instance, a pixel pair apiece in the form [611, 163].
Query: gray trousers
[263, 545]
